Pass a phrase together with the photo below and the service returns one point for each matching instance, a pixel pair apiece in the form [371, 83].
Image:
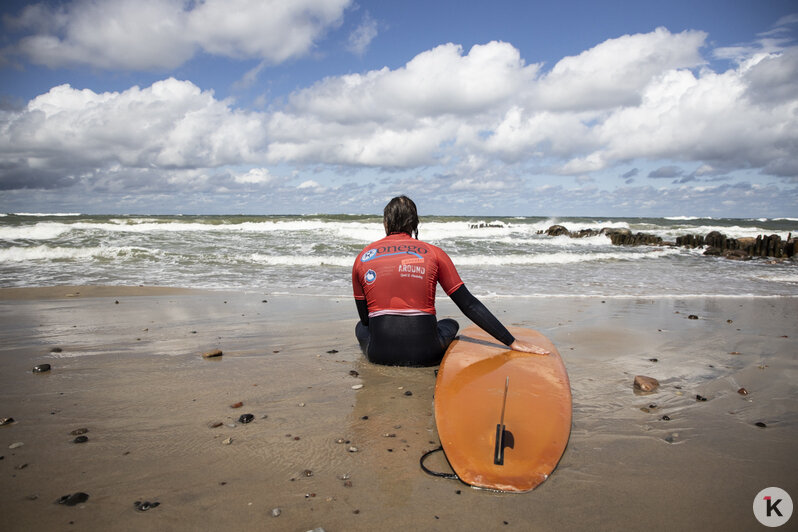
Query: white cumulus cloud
[468, 117]
[157, 34]
[169, 125]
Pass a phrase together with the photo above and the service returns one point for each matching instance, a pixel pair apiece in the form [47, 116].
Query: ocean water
[313, 254]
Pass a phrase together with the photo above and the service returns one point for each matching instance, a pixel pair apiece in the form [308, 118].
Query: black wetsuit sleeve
[475, 311]
[362, 311]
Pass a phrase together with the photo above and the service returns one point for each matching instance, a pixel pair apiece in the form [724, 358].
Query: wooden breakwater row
[741, 248]
[717, 243]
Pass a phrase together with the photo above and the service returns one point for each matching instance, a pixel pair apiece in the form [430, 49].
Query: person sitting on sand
[394, 281]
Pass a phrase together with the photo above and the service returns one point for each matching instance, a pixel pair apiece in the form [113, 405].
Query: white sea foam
[302, 260]
[791, 278]
[733, 231]
[39, 231]
[46, 253]
[476, 260]
[559, 258]
[47, 215]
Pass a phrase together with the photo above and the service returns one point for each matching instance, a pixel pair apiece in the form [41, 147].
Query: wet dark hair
[401, 216]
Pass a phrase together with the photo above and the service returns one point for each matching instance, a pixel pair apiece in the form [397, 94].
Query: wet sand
[130, 370]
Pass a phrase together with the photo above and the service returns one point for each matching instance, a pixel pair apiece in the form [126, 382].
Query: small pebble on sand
[742, 391]
[73, 499]
[228, 441]
[357, 386]
[276, 512]
[212, 354]
[645, 384]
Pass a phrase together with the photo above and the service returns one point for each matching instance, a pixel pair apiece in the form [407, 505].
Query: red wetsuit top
[399, 274]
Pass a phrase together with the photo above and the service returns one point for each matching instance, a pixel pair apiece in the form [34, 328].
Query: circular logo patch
[368, 255]
[772, 507]
[371, 276]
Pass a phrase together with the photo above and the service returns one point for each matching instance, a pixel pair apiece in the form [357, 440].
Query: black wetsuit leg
[396, 340]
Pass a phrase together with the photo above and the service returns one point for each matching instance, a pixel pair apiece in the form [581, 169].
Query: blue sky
[680, 108]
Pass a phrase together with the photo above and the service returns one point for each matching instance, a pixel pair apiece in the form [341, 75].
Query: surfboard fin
[498, 452]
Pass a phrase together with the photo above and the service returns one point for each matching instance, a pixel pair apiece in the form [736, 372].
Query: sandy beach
[126, 364]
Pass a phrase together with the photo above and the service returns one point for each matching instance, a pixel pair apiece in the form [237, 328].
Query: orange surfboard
[503, 417]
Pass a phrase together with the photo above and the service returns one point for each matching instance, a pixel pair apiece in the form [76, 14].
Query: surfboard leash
[450, 476]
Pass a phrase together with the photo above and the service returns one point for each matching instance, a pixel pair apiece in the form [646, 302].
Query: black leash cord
[451, 476]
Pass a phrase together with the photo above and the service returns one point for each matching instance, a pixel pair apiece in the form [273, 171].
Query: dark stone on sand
[6, 421]
[145, 505]
[56, 350]
[81, 439]
[212, 354]
[742, 391]
[692, 317]
[307, 473]
[354, 373]
[41, 368]
[332, 351]
[408, 393]
[645, 384]
[73, 499]
[237, 405]
[665, 418]
[78, 432]
[760, 424]
[246, 418]
[700, 398]
[653, 360]
[215, 424]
